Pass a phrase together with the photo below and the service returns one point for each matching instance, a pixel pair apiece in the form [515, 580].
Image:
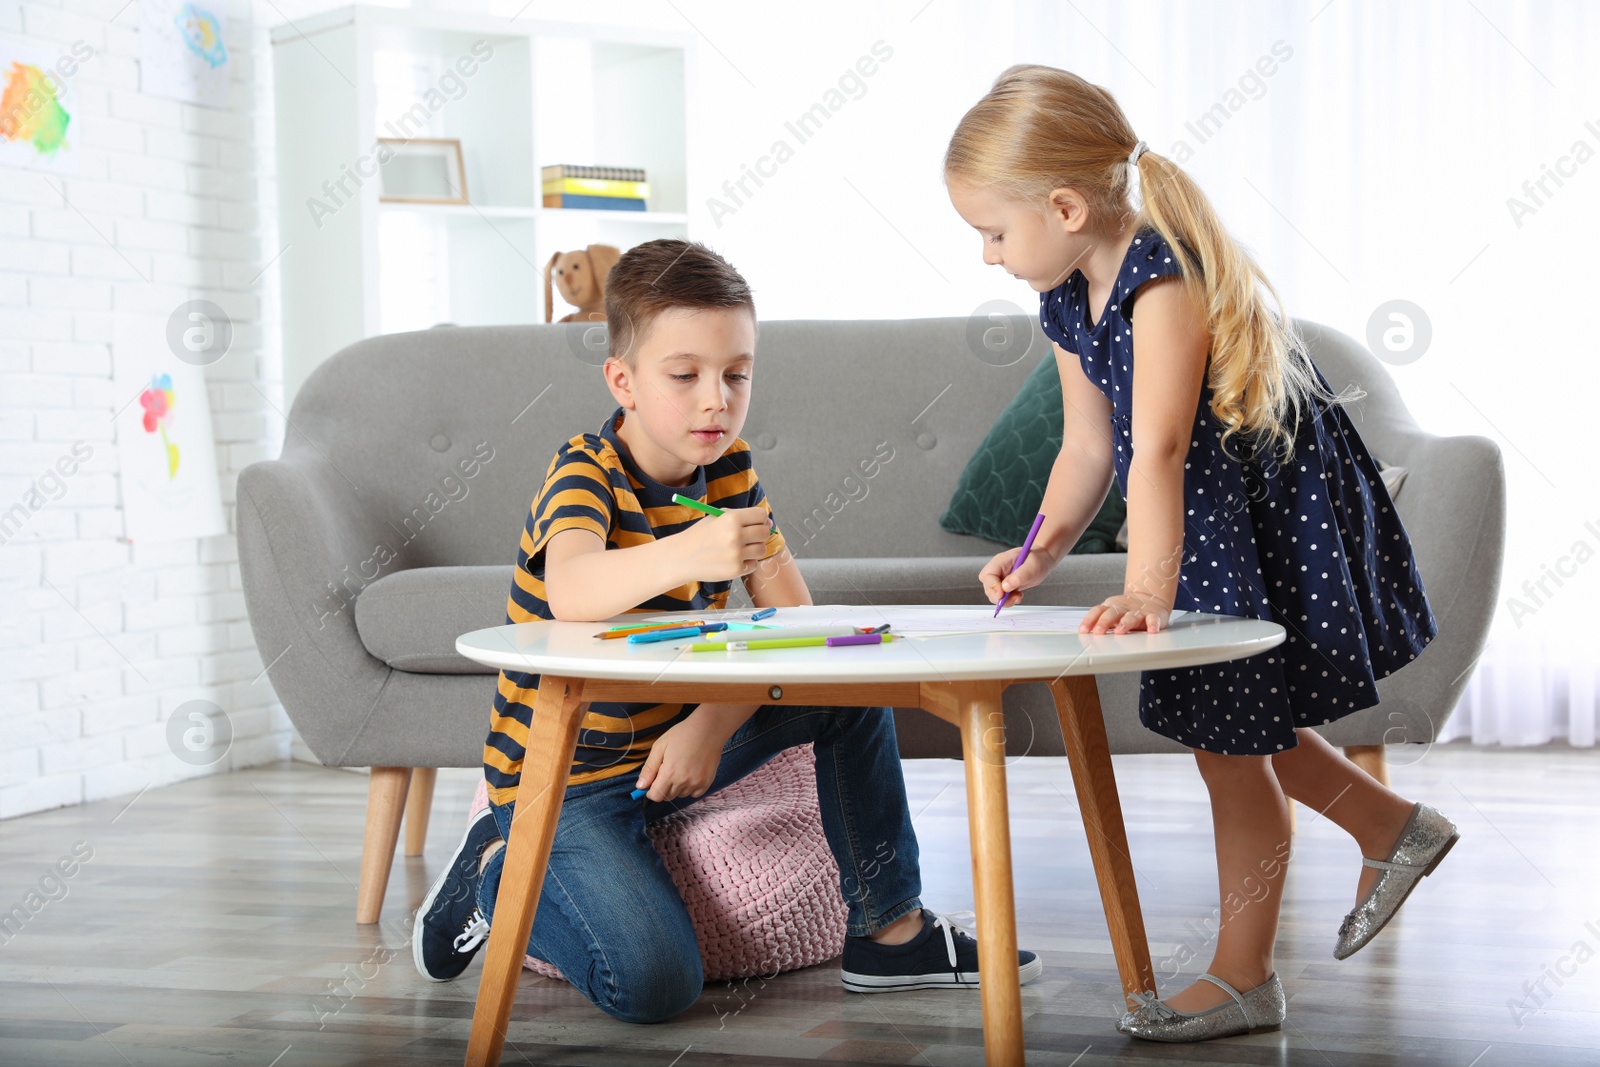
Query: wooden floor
[214, 924]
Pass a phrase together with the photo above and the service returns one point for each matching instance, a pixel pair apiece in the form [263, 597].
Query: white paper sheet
[914, 620]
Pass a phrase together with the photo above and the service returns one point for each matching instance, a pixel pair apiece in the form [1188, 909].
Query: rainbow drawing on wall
[157, 402]
[30, 112]
[202, 34]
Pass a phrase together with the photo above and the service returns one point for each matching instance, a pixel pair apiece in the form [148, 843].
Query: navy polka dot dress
[1314, 545]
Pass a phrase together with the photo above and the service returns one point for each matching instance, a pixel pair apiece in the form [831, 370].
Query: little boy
[603, 537]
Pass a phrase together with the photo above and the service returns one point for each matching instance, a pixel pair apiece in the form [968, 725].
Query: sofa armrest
[301, 561]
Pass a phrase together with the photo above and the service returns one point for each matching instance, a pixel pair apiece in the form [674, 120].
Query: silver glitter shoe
[1424, 841]
[1261, 1009]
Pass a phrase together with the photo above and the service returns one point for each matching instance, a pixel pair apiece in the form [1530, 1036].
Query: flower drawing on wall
[157, 402]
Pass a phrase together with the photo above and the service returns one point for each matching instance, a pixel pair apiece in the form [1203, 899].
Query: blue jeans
[610, 917]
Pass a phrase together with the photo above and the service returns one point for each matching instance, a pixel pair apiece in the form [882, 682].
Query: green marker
[701, 506]
[791, 642]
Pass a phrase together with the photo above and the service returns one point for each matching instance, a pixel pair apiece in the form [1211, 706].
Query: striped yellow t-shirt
[593, 484]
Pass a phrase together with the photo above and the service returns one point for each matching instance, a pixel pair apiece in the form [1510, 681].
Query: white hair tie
[1135, 192]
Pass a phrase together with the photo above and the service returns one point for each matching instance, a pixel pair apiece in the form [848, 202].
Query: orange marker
[624, 631]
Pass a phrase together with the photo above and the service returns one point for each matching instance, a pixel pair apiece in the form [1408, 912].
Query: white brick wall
[101, 641]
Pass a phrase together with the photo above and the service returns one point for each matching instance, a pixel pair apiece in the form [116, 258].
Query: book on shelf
[598, 187]
[602, 203]
[610, 174]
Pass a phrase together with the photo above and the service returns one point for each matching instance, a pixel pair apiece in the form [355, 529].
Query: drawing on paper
[182, 53]
[157, 403]
[30, 110]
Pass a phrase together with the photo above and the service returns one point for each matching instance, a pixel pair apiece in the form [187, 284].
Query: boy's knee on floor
[655, 992]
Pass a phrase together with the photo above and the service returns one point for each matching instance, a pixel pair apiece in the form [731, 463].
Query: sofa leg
[386, 803]
[419, 804]
[1370, 758]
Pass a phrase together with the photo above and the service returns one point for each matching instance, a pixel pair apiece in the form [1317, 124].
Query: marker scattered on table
[702, 506]
[858, 639]
[757, 644]
[652, 636]
[644, 627]
[1022, 557]
[771, 633]
[764, 613]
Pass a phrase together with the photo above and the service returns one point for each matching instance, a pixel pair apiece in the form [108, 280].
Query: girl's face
[1039, 244]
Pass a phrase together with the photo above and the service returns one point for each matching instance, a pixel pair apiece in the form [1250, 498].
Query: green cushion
[999, 493]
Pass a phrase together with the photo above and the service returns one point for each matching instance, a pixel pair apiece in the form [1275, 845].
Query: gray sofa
[390, 524]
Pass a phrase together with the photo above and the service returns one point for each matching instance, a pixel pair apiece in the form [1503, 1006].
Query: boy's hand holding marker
[683, 761]
[727, 545]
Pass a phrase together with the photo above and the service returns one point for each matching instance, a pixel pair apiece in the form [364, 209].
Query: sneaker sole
[427, 903]
[873, 983]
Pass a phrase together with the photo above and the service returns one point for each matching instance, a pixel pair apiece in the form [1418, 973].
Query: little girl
[1249, 492]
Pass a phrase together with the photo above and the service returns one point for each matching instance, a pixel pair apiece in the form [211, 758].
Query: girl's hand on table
[1127, 613]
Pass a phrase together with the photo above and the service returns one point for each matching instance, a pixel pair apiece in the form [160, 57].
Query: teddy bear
[581, 278]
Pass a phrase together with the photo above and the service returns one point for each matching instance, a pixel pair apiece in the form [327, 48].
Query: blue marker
[638, 793]
[764, 613]
[669, 635]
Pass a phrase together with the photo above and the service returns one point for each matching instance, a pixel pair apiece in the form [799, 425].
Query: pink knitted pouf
[754, 869]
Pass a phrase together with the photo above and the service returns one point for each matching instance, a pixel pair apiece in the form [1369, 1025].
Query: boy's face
[687, 391]
[1039, 245]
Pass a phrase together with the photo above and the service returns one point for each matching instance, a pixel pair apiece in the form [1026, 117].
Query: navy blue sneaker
[927, 961]
[449, 928]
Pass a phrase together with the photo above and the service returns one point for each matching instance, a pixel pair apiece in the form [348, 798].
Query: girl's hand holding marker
[1006, 575]
[1022, 559]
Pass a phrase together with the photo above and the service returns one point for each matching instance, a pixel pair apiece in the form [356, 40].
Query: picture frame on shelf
[421, 170]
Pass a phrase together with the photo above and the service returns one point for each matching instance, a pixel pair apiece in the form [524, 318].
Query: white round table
[957, 676]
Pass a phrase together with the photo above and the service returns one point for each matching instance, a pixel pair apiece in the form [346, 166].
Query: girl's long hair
[1040, 128]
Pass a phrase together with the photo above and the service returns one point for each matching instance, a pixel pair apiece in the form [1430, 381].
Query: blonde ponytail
[1040, 128]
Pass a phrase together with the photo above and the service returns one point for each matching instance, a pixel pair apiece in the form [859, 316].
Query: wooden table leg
[975, 708]
[1083, 728]
[551, 742]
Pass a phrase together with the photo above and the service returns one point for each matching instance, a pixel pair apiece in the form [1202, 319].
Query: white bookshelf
[547, 93]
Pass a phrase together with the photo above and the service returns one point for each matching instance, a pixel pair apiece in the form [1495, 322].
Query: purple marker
[1022, 557]
[856, 639]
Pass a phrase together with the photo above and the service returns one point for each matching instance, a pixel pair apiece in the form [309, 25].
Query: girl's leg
[1250, 823]
[1319, 776]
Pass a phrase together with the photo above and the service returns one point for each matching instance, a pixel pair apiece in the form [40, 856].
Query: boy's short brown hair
[663, 274]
